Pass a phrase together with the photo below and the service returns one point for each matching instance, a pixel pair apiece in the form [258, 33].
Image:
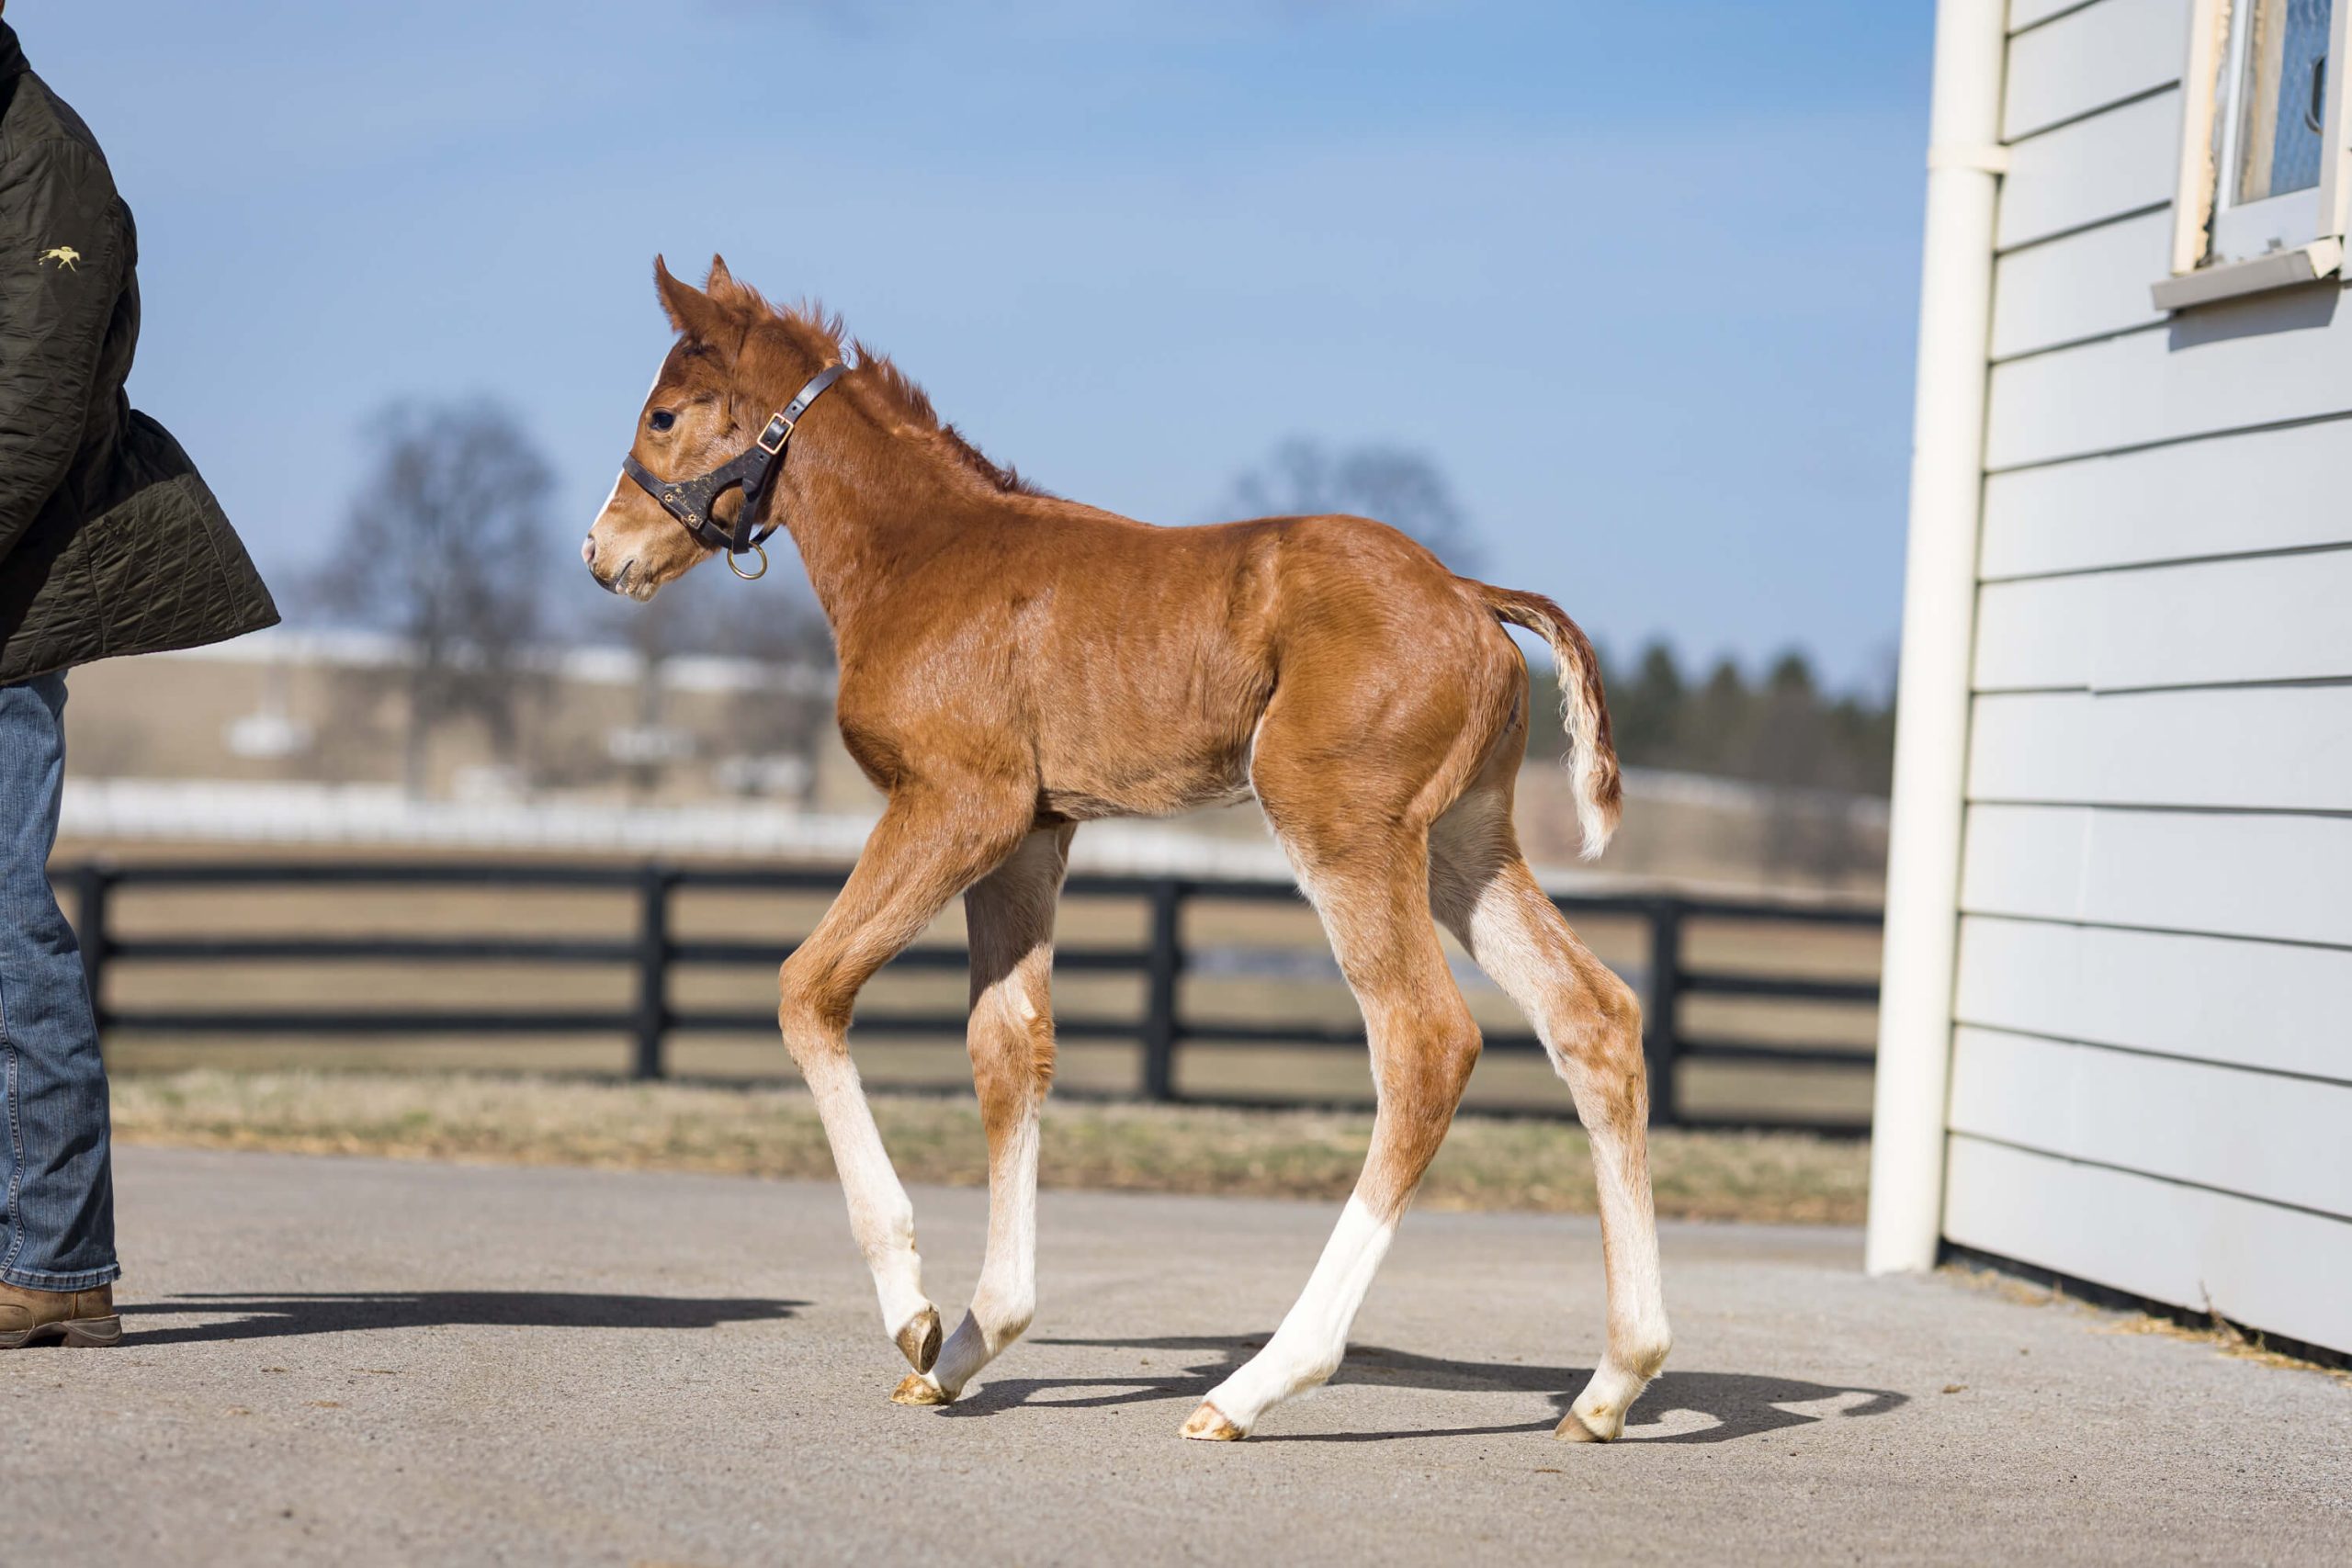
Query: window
[2261, 199]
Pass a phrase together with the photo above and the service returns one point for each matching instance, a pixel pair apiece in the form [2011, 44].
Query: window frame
[2208, 105]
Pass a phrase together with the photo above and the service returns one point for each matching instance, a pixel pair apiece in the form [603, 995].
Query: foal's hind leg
[926, 849]
[1373, 890]
[1009, 916]
[1591, 1027]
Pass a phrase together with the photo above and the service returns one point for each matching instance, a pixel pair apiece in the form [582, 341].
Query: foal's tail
[1584, 709]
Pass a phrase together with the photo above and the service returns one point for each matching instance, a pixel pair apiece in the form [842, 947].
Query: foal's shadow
[286, 1312]
[1679, 1407]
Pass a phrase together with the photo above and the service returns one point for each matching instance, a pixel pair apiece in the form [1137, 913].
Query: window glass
[2281, 104]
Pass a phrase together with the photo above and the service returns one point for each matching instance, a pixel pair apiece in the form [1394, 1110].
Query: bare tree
[444, 548]
[1402, 488]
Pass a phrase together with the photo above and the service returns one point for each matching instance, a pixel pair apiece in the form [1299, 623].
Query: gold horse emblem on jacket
[65, 256]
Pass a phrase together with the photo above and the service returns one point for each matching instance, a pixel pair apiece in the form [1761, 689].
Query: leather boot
[77, 1317]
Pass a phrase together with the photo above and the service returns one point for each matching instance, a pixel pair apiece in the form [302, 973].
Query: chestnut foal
[1012, 664]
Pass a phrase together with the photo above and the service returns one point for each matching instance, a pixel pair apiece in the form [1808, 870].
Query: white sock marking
[880, 1215]
[1307, 1348]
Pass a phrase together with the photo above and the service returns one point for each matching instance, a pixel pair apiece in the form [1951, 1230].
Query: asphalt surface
[365, 1362]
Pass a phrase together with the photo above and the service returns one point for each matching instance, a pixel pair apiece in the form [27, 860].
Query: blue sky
[1639, 277]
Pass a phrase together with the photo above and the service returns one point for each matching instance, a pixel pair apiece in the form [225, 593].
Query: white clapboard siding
[2025, 861]
[2151, 1079]
[2269, 489]
[2256, 1135]
[2093, 59]
[2027, 639]
[2083, 286]
[2119, 161]
[2230, 365]
[2284, 618]
[2279, 878]
[2250, 748]
[2024, 14]
[2285, 1271]
[2274, 1006]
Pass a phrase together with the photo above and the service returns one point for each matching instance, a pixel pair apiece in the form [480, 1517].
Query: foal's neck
[865, 502]
[854, 497]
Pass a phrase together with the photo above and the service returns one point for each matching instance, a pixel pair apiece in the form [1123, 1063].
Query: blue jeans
[56, 1174]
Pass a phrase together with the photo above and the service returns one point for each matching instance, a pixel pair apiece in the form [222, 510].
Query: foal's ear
[720, 282]
[691, 311]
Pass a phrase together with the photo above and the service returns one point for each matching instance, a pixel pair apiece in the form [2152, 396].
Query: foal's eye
[663, 419]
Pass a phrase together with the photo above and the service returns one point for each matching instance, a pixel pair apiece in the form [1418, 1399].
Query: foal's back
[1128, 668]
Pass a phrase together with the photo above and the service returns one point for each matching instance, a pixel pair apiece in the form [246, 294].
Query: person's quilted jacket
[110, 541]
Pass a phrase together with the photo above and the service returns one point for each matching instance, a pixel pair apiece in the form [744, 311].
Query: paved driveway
[363, 1361]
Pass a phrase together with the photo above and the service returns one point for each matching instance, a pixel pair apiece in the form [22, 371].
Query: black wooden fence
[653, 951]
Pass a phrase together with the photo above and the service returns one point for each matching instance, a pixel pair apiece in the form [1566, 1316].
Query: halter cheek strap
[752, 470]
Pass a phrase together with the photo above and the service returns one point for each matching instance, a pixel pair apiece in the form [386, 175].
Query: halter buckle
[782, 435]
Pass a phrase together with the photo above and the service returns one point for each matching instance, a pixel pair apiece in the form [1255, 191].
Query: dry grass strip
[2219, 1334]
[1488, 1163]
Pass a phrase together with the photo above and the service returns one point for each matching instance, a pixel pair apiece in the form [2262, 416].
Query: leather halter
[753, 470]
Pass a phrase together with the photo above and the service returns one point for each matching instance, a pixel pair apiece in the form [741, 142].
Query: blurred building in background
[604, 722]
[309, 737]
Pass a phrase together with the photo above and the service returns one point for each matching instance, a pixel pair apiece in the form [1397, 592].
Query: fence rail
[1162, 1030]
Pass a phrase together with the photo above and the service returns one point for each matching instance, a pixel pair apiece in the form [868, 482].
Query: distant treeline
[1783, 728]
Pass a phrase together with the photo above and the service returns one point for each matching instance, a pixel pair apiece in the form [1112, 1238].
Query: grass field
[1486, 1164]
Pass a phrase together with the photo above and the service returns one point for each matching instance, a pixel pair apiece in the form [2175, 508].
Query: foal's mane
[889, 393]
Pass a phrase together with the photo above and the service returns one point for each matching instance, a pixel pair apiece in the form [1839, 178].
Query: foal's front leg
[1009, 919]
[926, 849]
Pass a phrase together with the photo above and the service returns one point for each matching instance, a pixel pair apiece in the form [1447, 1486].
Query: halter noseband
[753, 470]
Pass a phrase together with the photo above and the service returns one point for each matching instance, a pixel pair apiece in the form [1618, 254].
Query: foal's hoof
[918, 1340]
[1575, 1428]
[920, 1390]
[1208, 1425]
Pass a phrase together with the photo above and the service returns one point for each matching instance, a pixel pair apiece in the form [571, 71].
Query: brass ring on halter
[759, 550]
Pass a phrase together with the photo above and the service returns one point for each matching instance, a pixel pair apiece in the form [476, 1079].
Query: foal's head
[704, 410]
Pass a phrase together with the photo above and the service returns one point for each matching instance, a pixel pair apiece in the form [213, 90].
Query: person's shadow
[1679, 1407]
[296, 1311]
